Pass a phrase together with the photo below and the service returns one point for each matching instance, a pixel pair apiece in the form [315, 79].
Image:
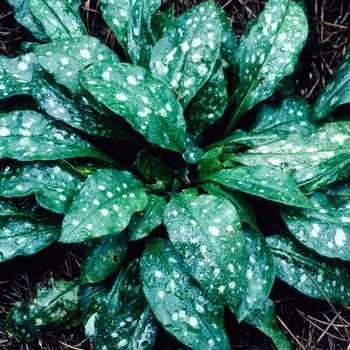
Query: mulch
[308, 323]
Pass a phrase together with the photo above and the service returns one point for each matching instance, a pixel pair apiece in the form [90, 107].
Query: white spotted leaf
[177, 302]
[186, 54]
[29, 135]
[145, 102]
[268, 52]
[309, 272]
[260, 272]
[24, 232]
[103, 257]
[161, 22]
[53, 303]
[143, 222]
[54, 183]
[103, 206]
[206, 232]
[263, 181]
[59, 19]
[325, 229]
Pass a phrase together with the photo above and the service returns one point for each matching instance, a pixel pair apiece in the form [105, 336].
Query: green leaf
[308, 272]
[146, 103]
[336, 91]
[29, 135]
[104, 257]
[177, 302]
[23, 232]
[264, 319]
[206, 232]
[326, 229]
[161, 22]
[186, 54]
[143, 222]
[104, 206]
[54, 303]
[267, 53]
[125, 320]
[260, 272]
[210, 162]
[59, 19]
[263, 181]
[55, 184]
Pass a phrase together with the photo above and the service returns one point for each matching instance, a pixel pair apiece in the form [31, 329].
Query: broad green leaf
[336, 91]
[295, 264]
[104, 206]
[29, 135]
[315, 160]
[23, 232]
[125, 320]
[263, 181]
[143, 222]
[210, 162]
[54, 302]
[176, 301]
[24, 16]
[326, 229]
[260, 272]
[206, 232]
[104, 257]
[186, 54]
[209, 104]
[267, 53]
[161, 22]
[58, 18]
[264, 319]
[145, 102]
[55, 184]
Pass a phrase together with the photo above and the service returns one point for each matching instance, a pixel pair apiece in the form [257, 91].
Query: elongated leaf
[206, 232]
[29, 135]
[185, 56]
[23, 232]
[55, 184]
[295, 264]
[54, 302]
[177, 302]
[264, 318]
[263, 181]
[104, 257]
[59, 19]
[268, 52]
[326, 229]
[336, 91]
[260, 272]
[104, 206]
[146, 103]
[161, 22]
[143, 222]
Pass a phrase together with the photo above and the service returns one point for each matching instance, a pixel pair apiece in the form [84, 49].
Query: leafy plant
[130, 149]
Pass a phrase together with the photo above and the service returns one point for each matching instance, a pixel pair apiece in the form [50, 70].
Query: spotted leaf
[186, 54]
[325, 229]
[161, 22]
[103, 206]
[263, 181]
[336, 92]
[267, 53]
[143, 222]
[260, 272]
[176, 301]
[54, 184]
[145, 102]
[54, 303]
[308, 272]
[59, 19]
[206, 232]
[264, 318]
[29, 135]
[23, 232]
[104, 257]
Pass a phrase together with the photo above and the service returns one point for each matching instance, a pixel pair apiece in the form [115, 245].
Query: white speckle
[175, 316]
[221, 289]
[158, 274]
[4, 132]
[68, 74]
[121, 97]
[340, 138]
[196, 42]
[75, 222]
[115, 207]
[216, 272]
[184, 46]
[340, 237]
[161, 294]
[101, 187]
[193, 321]
[96, 202]
[131, 80]
[89, 226]
[199, 308]
[344, 219]
[109, 194]
[214, 230]
[282, 37]
[202, 69]
[249, 274]
[232, 285]
[85, 54]
[230, 267]
[211, 342]
[22, 66]
[122, 343]
[64, 61]
[106, 76]
[330, 245]
[104, 212]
